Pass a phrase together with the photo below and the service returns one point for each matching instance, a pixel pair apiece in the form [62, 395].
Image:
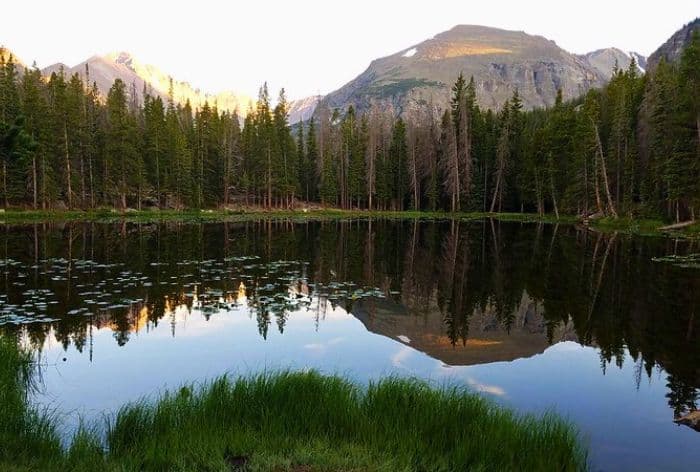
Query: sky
[309, 46]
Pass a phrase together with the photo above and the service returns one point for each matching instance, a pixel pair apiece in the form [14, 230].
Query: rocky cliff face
[104, 70]
[303, 109]
[672, 49]
[500, 62]
[604, 61]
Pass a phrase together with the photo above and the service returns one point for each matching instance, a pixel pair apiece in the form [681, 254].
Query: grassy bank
[648, 227]
[24, 433]
[288, 421]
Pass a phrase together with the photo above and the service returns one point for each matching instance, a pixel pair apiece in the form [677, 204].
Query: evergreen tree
[398, 156]
[285, 170]
[312, 164]
[121, 152]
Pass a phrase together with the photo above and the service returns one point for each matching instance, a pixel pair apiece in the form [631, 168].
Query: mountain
[422, 327]
[303, 109]
[671, 50]
[500, 61]
[8, 55]
[104, 70]
[604, 60]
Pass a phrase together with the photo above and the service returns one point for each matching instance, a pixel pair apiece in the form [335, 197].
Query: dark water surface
[599, 328]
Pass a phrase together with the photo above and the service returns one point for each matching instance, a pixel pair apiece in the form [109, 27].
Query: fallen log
[680, 225]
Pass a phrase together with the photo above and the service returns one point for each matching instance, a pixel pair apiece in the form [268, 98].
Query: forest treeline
[629, 149]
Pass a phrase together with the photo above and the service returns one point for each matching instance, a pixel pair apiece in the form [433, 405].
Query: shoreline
[642, 227]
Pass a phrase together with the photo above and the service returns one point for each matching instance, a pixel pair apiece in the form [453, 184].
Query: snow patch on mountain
[641, 60]
[410, 53]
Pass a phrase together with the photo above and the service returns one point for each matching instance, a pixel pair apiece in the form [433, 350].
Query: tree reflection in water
[468, 293]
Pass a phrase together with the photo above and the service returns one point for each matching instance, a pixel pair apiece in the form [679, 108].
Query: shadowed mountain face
[104, 70]
[500, 62]
[671, 50]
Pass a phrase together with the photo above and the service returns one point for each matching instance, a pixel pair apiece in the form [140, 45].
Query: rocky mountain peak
[672, 49]
[105, 69]
[605, 60]
[500, 61]
[121, 57]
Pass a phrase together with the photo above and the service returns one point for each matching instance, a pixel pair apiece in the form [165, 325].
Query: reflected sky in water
[539, 318]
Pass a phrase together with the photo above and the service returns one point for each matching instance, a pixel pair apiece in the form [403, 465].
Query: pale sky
[309, 46]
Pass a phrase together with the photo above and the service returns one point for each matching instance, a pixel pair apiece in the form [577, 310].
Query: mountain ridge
[104, 69]
[606, 59]
[671, 50]
[499, 60]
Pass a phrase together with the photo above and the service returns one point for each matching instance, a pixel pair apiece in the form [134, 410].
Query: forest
[630, 149]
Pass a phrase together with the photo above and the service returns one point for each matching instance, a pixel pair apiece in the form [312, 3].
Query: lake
[599, 328]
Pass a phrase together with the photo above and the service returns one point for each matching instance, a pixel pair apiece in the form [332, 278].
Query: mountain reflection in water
[463, 293]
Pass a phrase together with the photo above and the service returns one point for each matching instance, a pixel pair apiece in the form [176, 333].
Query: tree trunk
[83, 196]
[677, 225]
[604, 170]
[92, 185]
[415, 177]
[585, 186]
[554, 197]
[34, 184]
[269, 178]
[158, 199]
[43, 182]
[69, 190]
[4, 182]
[457, 191]
[486, 190]
[496, 191]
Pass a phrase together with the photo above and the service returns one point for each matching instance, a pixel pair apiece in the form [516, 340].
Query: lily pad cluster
[54, 289]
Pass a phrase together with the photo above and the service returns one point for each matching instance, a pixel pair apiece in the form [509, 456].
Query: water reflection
[462, 293]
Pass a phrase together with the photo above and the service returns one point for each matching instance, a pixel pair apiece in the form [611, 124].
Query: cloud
[484, 388]
[400, 356]
[325, 345]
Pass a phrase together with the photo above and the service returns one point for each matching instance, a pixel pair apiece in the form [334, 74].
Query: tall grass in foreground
[303, 421]
[25, 434]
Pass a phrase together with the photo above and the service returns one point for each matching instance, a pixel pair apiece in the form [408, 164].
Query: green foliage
[400, 87]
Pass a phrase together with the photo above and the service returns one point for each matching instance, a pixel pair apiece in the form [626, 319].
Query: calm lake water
[599, 328]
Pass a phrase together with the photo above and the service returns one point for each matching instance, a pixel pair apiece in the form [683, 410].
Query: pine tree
[285, 168]
[35, 106]
[449, 162]
[155, 146]
[120, 146]
[398, 157]
[9, 116]
[311, 159]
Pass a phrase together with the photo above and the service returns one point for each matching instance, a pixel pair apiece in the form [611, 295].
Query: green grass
[25, 434]
[288, 421]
